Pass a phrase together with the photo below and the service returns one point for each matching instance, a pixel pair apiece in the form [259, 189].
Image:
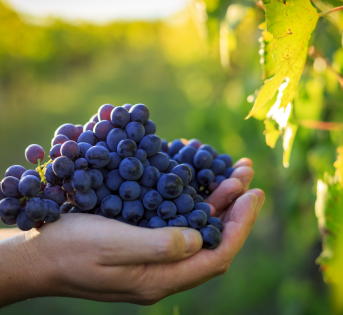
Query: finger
[243, 162]
[245, 174]
[227, 191]
[117, 243]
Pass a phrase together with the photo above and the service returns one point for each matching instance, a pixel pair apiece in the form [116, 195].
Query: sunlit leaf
[267, 62]
[288, 139]
[271, 132]
[291, 23]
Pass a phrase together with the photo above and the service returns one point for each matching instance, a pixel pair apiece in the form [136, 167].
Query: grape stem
[330, 11]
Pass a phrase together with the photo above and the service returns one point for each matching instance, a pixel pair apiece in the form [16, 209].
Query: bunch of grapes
[116, 167]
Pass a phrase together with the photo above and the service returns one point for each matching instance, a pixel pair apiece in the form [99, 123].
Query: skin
[94, 258]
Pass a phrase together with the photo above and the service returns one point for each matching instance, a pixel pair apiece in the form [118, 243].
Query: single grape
[127, 106]
[10, 187]
[131, 169]
[218, 167]
[68, 130]
[152, 200]
[156, 222]
[172, 164]
[189, 190]
[94, 118]
[176, 158]
[2, 195]
[178, 221]
[160, 160]
[144, 190]
[54, 193]
[126, 148]
[194, 143]
[184, 203]
[81, 164]
[141, 155]
[85, 200]
[145, 163]
[29, 186]
[219, 179]
[101, 193]
[114, 162]
[33, 153]
[205, 177]
[9, 222]
[15, 171]
[89, 126]
[9, 208]
[164, 147]
[133, 211]
[55, 151]
[120, 117]
[102, 128]
[211, 237]
[150, 127]
[96, 178]
[111, 205]
[129, 190]
[53, 211]
[186, 154]
[175, 147]
[97, 157]
[228, 172]
[204, 207]
[151, 144]
[63, 167]
[83, 148]
[114, 137]
[150, 176]
[87, 137]
[114, 180]
[51, 177]
[207, 148]
[139, 113]
[198, 199]
[65, 207]
[31, 172]
[81, 180]
[167, 210]
[216, 222]
[103, 144]
[79, 129]
[170, 186]
[184, 172]
[197, 219]
[59, 139]
[36, 209]
[24, 222]
[104, 112]
[135, 131]
[227, 159]
[202, 159]
[70, 149]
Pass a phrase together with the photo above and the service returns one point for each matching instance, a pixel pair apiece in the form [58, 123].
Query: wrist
[25, 272]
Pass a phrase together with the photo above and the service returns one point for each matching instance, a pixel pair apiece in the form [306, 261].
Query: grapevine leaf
[291, 23]
[267, 62]
[271, 132]
[288, 139]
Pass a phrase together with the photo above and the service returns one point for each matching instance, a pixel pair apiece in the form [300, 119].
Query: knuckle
[166, 246]
[222, 269]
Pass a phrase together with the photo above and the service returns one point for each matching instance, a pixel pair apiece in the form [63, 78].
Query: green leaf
[267, 62]
[271, 132]
[291, 23]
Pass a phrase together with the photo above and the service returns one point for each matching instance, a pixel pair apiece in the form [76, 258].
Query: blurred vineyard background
[53, 72]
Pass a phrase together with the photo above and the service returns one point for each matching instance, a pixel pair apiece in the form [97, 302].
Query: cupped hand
[91, 257]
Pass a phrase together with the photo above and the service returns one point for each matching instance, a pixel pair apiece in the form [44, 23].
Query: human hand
[95, 258]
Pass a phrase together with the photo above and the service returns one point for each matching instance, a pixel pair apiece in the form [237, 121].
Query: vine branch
[330, 11]
[320, 125]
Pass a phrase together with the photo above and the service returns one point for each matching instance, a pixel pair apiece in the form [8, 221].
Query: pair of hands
[94, 258]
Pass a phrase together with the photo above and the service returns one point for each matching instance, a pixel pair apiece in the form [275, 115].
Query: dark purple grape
[9, 208]
[114, 137]
[141, 155]
[96, 178]
[81, 164]
[126, 148]
[156, 222]
[63, 167]
[9, 222]
[127, 106]
[53, 211]
[81, 180]
[172, 164]
[59, 139]
[131, 169]
[87, 137]
[150, 127]
[70, 149]
[184, 172]
[205, 177]
[227, 159]
[197, 219]
[84, 147]
[228, 172]
[207, 148]
[219, 179]
[204, 207]
[152, 200]
[167, 210]
[33, 153]
[164, 147]
[104, 112]
[79, 129]
[135, 131]
[89, 126]
[114, 162]
[151, 144]
[15, 171]
[184, 203]
[68, 130]
[10, 187]
[178, 221]
[111, 205]
[211, 237]
[120, 117]
[160, 160]
[55, 151]
[144, 190]
[170, 186]
[65, 207]
[36, 209]
[51, 177]
[186, 154]
[175, 147]
[194, 143]
[101, 193]
[24, 222]
[189, 190]
[139, 113]
[129, 190]
[198, 199]
[150, 176]
[31, 172]
[29, 186]
[114, 180]
[133, 211]
[85, 200]
[98, 157]
[102, 128]
[202, 159]
[104, 145]
[218, 167]
[54, 193]
[216, 222]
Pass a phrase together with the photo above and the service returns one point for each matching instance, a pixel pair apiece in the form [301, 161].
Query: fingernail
[193, 240]
[245, 181]
[234, 195]
[260, 203]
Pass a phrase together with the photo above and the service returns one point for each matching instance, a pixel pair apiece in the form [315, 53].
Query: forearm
[21, 272]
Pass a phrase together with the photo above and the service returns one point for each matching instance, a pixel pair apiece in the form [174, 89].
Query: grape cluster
[116, 167]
